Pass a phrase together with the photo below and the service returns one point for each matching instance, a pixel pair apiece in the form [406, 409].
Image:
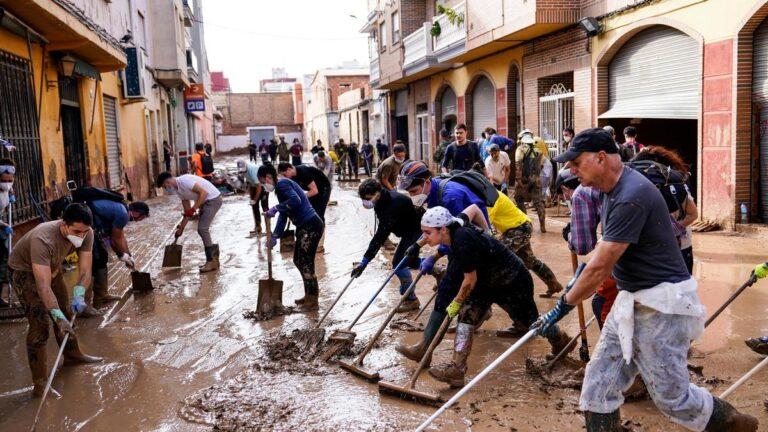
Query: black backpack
[671, 183]
[85, 195]
[475, 181]
[531, 163]
[207, 164]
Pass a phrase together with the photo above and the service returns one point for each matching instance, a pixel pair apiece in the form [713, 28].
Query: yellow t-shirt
[505, 215]
[333, 156]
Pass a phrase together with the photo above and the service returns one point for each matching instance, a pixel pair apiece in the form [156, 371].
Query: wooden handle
[435, 342]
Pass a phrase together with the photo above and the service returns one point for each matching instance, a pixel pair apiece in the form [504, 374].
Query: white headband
[438, 217]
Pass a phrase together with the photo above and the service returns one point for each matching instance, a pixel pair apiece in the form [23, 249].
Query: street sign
[194, 98]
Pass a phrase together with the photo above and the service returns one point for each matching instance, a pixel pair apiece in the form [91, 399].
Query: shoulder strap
[441, 189]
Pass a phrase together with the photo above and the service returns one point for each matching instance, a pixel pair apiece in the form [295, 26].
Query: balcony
[375, 73]
[451, 42]
[192, 67]
[189, 16]
[418, 53]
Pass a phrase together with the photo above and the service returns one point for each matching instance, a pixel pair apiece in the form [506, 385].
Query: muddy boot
[542, 223]
[545, 274]
[516, 330]
[726, 418]
[90, 312]
[212, 259]
[73, 355]
[38, 359]
[409, 305]
[758, 345]
[597, 422]
[308, 304]
[414, 352]
[453, 371]
[559, 340]
[101, 295]
[301, 300]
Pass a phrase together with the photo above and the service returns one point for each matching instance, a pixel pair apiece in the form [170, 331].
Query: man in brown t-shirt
[389, 169]
[37, 279]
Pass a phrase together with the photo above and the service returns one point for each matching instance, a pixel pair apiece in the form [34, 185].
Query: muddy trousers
[518, 240]
[404, 273]
[261, 200]
[446, 292]
[515, 297]
[40, 321]
[660, 346]
[307, 239]
[530, 192]
[207, 213]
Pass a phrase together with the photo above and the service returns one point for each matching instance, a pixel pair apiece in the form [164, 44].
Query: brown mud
[184, 358]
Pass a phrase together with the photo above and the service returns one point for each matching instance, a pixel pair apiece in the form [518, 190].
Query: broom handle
[338, 297]
[747, 284]
[582, 320]
[567, 348]
[741, 380]
[50, 377]
[376, 294]
[423, 308]
[481, 375]
[435, 342]
[369, 347]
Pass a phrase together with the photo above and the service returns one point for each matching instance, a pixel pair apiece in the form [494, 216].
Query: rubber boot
[758, 345]
[309, 301]
[597, 422]
[516, 330]
[409, 305]
[558, 339]
[542, 223]
[212, 259]
[73, 355]
[38, 359]
[727, 418]
[453, 371]
[416, 352]
[208, 257]
[100, 292]
[545, 274]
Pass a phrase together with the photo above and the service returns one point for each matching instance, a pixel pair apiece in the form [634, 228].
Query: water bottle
[743, 213]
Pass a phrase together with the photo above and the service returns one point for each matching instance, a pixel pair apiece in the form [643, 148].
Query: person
[508, 146]
[681, 220]
[7, 176]
[445, 141]
[167, 155]
[353, 159]
[497, 168]
[490, 274]
[294, 205]
[567, 135]
[109, 221]
[325, 164]
[39, 283]
[528, 163]
[272, 150]
[258, 197]
[297, 149]
[367, 152]
[311, 180]
[631, 147]
[263, 151]
[462, 153]
[208, 149]
[283, 153]
[657, 312]
[340, 148]
[202, 163]
[389, 169]
[206, 198]
[483, 145]
[252, 150]
[547, 168]
[318, 147]
[382, 149]
[396, 215]
[760, 344]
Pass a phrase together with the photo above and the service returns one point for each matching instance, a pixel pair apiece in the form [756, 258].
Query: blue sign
[195, 105]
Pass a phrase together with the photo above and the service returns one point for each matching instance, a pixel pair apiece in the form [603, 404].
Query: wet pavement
[184, 358]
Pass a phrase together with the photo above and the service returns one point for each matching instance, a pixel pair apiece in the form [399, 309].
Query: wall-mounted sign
[194, 98]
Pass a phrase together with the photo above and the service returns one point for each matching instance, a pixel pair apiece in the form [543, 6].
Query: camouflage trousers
[530, 191]
[518, 240]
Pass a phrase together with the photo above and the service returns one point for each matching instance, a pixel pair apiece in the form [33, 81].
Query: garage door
[448, 103]
[483, 107]
[760, 91]
[656, 74]
[113, 142]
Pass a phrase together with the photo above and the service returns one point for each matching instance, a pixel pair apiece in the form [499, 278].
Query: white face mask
[368, 204]
[419, 199]
[400, 160]
[170, 190]
[567, 139]
[5, 187]
[75, 240]
[269, 187]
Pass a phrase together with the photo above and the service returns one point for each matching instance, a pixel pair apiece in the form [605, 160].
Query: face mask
[368, 204]
[75, 240]
[170, 190]
[5, 187]
[418, 200]
[567, 139]
[400, 160]
[269, 187]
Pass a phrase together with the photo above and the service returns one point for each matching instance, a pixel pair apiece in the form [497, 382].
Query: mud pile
[567, 373]
[257, 316]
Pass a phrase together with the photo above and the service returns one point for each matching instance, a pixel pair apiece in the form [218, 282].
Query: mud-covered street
[184, 357]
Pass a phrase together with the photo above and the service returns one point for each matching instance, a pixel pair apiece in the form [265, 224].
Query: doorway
[75, 153]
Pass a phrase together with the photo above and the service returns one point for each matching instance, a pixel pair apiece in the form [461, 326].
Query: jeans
[207, 212]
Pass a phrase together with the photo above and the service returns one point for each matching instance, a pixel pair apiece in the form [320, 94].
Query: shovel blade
[270, 295]
[359, 371]
[342, 336]
[141, 281]
[172, 256]
[408, 393]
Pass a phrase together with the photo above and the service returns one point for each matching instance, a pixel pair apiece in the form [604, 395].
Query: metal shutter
[448, 103]
[113, 149]
[401, 103]
[656, 74]
[760, 98]
[483, 107]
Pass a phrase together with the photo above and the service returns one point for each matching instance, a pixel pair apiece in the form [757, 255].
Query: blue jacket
[456, 197]
[293, 204]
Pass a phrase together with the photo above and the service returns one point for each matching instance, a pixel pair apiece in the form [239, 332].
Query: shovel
[413, 324]
[584, 347]
[408, 391]
[270, 290]
[172, 253]
[141, 281]
[356, 367]
[317, 334]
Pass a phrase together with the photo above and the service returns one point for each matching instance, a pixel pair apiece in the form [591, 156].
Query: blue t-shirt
[293, 204]
[456, 197]
[108, 214]
[504, 143]
[634, 212]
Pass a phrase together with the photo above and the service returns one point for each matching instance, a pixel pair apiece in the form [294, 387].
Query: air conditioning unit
[133, 81]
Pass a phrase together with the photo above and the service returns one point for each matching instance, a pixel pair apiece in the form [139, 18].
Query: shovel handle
[423, 308]
[567, 348]
[584, 349]
[269, 249]
[338, 297]
[752, 279]
[432, 346]
[741, 380]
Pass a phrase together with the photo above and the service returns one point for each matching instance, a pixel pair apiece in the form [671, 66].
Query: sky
[247, 38]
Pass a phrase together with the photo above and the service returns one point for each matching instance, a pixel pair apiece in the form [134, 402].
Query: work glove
[360, 267]
[271, 212]
[443, 249]
[544, 324]
[567, 232]
[271, 242]
[128, 260]
[427, 265]
[11, 198]
[189, 212]
[761, 270]
[8, 230]
[453, 309]
[413, 251]
[61, 321]
[77, 304]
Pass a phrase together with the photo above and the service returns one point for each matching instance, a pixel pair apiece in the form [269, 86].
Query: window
[142, 31]
[383, 36]
[395, 28]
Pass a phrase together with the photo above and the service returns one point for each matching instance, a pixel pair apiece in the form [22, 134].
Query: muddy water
[184, 358]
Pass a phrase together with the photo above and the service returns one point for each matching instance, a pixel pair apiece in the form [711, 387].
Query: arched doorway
[654, 84]
[447, 115]
[483, 107]
[514, 106]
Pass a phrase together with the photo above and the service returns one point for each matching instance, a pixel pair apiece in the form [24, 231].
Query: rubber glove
[189, 212]
[567, 232]
[360, 267]
[8, 230]
[271, 242]
[761, 270]
[271, 212]
[11, 198]
[427, 265]
[77, 304]
[544, 324]
[61, 321]
[453, 309]
[413, 251]
[128, 260]
[443, 249]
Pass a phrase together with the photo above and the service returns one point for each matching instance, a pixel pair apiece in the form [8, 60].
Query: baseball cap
[410, 172]
[588, 141]
[527, 139]
[493, 147]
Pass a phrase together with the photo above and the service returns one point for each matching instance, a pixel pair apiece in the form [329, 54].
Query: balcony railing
[375, 72]
[417, 46]
[450, 34]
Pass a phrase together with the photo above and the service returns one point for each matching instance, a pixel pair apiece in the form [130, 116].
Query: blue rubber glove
[8, 230]
[427, 265]
[360, 267]
[11, 198]
[271, 242]
[271, 212]
[77, 304]
[61, 321]
[544, 324]
[453, 309]
[443, 249]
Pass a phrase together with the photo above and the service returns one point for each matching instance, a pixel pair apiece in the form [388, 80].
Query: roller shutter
[448, 103]
[401, 103]
[760, 97]
[483, 107]
[656, 74]
[113, 148]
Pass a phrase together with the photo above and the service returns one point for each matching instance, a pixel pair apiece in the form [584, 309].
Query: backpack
[475, 181]
[85, 195]
[531, 163]
[206, 162]
[671, 183]
[439, 154]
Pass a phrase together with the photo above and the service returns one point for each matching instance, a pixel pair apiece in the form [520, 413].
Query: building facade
[659, 65]
[321, 101]
[256, 116]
